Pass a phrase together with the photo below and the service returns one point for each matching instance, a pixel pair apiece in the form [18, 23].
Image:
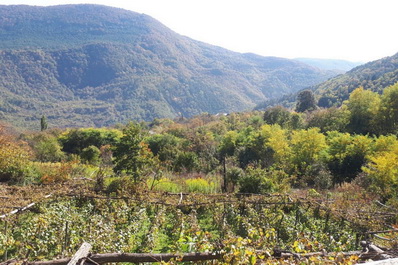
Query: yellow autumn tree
[363, 106]
[308, 147]
[382, 168]
[277, 140]
[14, 157]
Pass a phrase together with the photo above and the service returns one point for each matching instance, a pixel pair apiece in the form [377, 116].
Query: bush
[63, 171]
[123, 185]
[74, 141]
[47, 148]
[15, 164]
[233, 176]
[261, 181]
[318, 176]
[91, 155]
[186, 161]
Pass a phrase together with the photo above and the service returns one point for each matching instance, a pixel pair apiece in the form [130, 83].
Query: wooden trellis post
[83, 252]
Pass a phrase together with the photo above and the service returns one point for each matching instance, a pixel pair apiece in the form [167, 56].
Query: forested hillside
[90, 65]
[374, 76]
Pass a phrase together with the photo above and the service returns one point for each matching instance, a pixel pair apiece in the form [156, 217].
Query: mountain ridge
[112, 65]
[375, 76]
[330, 64]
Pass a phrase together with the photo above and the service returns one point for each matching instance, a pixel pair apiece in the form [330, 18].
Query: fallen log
[383, 262]
[106, 258]
[382, 232]
[322, 254]
[133, 258]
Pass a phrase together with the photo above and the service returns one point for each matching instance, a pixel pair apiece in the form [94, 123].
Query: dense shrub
[261, 181]
[91, 155]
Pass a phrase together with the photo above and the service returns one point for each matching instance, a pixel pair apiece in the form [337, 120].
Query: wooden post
[83, 252]
[65, 243]
[225, 188]
[5, 233]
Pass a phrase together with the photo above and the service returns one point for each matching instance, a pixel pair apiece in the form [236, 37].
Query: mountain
[330, 64]
[92, 65]
[374, 76]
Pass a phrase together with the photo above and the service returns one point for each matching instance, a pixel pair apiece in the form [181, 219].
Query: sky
[354, 30]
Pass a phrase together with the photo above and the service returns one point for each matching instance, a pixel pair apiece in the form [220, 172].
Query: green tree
[251, 148]
[14, 159]
[265, 147]
[305, 101]
[277, 115]
[347, 154]
[186, 162]
[262, 181]
[382, 167]
[296, 121]
[308, 148]
[228, 144]
[43, 123]
[332, 119]
[91, 155]
[74, 141]
[283, 117]
[131, 154]
[47, 148]
[203, 144]
[276, 142]
[382, 171]
[227, 148]
[232, 176]
[388, 114]
[166, 147]
[363, 106]
[385, 143]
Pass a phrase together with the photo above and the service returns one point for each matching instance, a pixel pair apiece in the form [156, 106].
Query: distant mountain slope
[374, 76]
[330, 64]
[91, 65]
